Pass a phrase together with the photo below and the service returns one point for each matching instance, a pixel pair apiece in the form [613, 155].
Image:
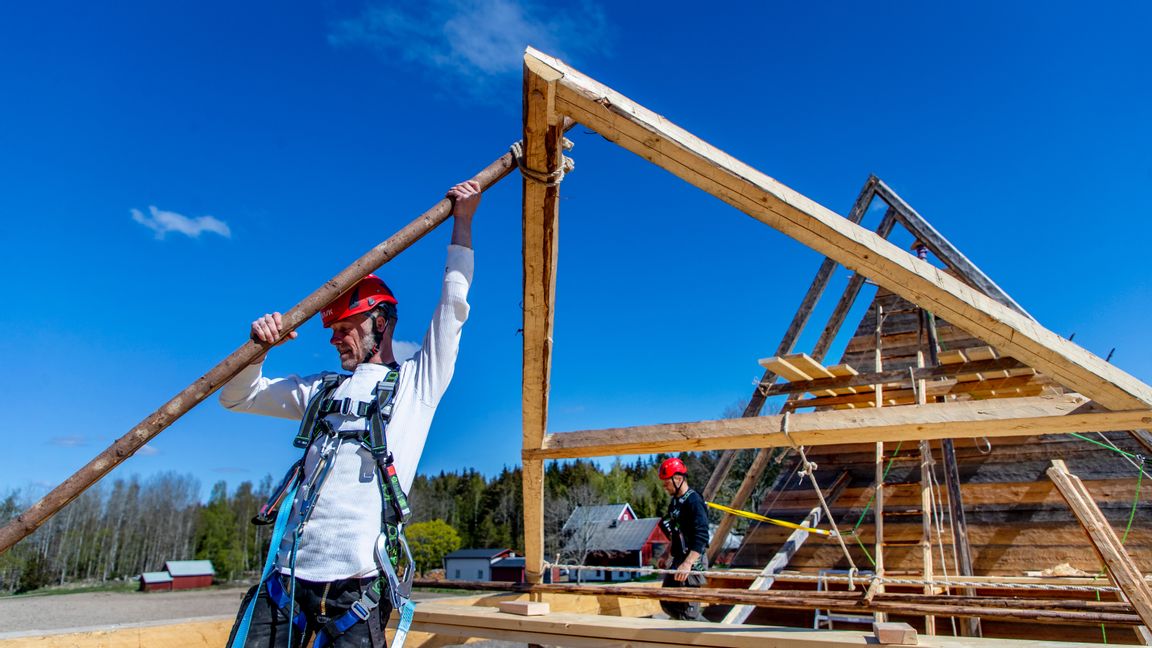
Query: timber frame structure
[1095, 396]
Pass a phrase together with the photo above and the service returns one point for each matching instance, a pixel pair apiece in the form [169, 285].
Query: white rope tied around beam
[848, 578]
[553, 179]
[809, 469]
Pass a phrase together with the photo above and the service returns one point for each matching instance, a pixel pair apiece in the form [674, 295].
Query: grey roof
[476, 553]
[190, 568]
[514, 563]
[595, 515]
[624, 535]
[156, 577]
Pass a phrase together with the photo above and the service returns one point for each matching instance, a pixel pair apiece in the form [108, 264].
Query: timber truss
[1093, 395]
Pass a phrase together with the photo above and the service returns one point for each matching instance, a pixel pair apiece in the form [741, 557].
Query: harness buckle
[346, 406]
[360, 611]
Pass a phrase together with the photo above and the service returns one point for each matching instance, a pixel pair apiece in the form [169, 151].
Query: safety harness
[391, 544]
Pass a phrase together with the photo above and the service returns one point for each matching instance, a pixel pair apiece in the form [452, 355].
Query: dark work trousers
[269, 627]
[680, 610]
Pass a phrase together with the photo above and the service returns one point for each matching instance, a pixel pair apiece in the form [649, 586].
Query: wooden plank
[1121, 570]
[808, 365]
[784, 368]
[740, 613]
[863, 380]
[955, 356]
[653, 137]
[1055, 414]
[524, 608]
[567, 629]
[892, 633]
[543, 152]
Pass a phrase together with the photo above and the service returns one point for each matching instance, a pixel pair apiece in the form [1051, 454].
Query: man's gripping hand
[465, 198]
[267, 329]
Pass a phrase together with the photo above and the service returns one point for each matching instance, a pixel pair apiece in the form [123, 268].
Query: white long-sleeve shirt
[340, 536]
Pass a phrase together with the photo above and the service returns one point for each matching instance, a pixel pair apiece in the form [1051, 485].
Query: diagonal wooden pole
[206, 385]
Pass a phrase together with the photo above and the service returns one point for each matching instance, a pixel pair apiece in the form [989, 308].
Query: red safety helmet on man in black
[670, 467]
[368, 293]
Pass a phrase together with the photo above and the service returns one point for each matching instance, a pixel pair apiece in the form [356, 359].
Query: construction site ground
[24, 616]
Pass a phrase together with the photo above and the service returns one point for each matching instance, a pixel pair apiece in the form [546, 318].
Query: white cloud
[475, 41]
[147, 451]
[163, 222]
[404, 349]
[69, 441]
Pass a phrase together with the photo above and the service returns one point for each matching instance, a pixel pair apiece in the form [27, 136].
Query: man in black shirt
[686, 525]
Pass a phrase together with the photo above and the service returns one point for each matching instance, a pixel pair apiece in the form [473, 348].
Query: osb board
[193, 634]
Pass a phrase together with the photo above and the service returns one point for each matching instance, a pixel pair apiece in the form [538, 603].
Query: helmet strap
[378, 336]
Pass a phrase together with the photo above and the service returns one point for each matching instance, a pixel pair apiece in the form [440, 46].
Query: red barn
[156, 582]
[190, 574]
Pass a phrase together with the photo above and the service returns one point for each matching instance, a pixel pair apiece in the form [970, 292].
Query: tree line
[117, 531]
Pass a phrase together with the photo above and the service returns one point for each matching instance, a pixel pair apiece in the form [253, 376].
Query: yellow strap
[761, 518]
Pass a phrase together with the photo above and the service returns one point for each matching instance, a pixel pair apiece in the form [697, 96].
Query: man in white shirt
[331, 565]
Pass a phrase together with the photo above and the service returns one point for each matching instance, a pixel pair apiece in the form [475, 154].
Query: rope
[553, 179]
[809, 467]
[761, 518]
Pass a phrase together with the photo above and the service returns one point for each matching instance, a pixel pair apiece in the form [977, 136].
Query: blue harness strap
[269, 565]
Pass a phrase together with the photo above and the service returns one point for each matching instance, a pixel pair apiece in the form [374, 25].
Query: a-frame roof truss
[555, 92]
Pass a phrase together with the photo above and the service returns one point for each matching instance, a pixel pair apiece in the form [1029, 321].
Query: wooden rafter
[651, 136]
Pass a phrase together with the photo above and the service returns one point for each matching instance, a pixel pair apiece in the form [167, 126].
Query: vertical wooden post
[925, 501]
[878, 506]
[970, 626]
[543, 158]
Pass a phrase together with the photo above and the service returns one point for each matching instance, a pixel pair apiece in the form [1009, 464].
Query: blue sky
[169, 171]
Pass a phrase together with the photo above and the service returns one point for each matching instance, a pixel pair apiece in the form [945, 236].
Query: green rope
[868, 506]
[865, 549]
[1103, 445]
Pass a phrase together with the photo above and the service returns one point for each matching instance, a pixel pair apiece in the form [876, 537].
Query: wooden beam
[543, 156]
[580, 630]
[747, 485]
[1056, 414]
[532, 484]
[740, 613]
[653, 137]
[1121, 569]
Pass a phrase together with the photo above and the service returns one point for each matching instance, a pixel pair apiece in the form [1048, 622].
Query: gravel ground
[34, 615]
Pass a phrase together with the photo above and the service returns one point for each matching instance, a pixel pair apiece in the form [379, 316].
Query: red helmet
[367, 294]
[671, 467]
